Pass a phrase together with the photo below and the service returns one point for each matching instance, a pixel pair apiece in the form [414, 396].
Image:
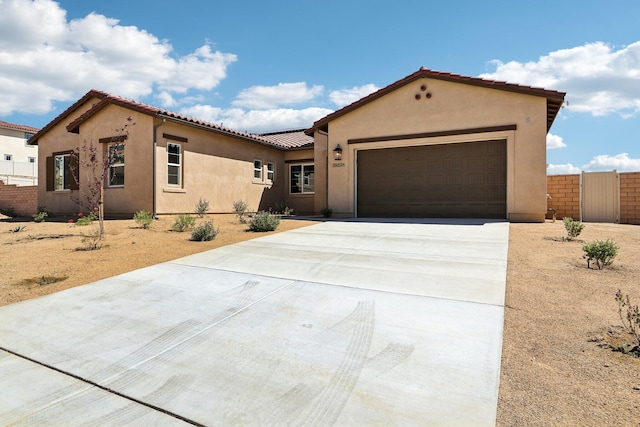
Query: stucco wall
[137, 191]
[23, 199]
[452, 106]
[218, 168]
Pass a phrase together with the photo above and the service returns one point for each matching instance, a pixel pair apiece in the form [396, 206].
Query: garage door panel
[448, 180]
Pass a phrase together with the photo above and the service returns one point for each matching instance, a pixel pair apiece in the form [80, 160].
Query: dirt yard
[560, 318]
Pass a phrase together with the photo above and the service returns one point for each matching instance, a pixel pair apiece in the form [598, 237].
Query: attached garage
[437, 145]
[463, 180]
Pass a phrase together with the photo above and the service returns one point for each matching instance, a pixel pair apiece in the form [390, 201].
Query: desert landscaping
[561, 326]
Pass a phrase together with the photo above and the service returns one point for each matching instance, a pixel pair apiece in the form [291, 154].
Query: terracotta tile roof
[13, 126]
[554, 98]
[91, 94]
[171, 115]
[292, 139]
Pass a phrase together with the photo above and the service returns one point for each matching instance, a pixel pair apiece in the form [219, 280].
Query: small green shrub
[264, 221]
[601, 251]
[326, 212]
[40, 216]
[240, 208]
[204, 232]
[143, 218]
[574, 228]
[631, 317]
[202, 207]
[10, 212]
[183, 222]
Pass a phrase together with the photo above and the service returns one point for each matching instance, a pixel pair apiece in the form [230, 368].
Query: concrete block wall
[565, 195]
[630, 198]
[23, 199]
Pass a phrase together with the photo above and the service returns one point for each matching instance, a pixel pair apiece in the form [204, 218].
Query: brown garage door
[465, 180]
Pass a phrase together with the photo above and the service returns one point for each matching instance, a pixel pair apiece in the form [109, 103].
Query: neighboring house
[18, 159]
[430, 145]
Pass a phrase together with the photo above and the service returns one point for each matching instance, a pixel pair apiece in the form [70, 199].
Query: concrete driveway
[344, 323]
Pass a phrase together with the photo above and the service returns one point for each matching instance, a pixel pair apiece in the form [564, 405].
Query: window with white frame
[271, 171]
[32, 159]
[174, 164]
[302, 179]
[8, 157]
[62, 172]
[116, 165]
[257, 170]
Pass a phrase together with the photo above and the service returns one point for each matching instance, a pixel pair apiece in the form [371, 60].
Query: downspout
[326, 167]
[155, 143]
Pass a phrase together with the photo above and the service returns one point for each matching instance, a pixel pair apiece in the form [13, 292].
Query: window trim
[302, 168]
[115, 165]
[55, 169]
[258, 170]
[178, 165]
[271, 172]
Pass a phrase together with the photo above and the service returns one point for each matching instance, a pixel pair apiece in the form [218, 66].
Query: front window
[62, 172]
[302, 179]
[257, 169]
[174, 164]
[116, 165]
[8, 157]
[32, 159]
[271, 171]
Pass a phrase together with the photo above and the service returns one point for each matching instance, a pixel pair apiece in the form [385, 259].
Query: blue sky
[263, 66]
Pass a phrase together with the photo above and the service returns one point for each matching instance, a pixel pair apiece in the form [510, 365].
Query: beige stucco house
[166, 161]
[432, 144]
[437, 144]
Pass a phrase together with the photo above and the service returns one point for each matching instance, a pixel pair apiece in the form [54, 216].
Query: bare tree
[95, 166]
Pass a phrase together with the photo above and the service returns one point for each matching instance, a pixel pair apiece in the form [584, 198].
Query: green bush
[601, 251]
[326, 212]
[40, 216]
[204, 232]
[143, 218]
[183, 222]
[240, 208]
[574, 228]
[264, 221]
[202, 207]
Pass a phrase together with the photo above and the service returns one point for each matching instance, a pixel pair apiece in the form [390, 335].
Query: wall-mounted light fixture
[337, 153]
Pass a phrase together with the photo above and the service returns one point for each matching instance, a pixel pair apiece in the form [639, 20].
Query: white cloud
[166, 100]
[347, 96]
[258, 121]
[598, 78]
[554, 141]
[565, 169]
[270, 97]
[604, 162]
[620, 162]
[46, 58]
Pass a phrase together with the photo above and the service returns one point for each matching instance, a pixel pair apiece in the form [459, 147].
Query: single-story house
[432, 144]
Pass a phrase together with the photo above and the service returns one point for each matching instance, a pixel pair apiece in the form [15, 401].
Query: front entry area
[461, 180]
